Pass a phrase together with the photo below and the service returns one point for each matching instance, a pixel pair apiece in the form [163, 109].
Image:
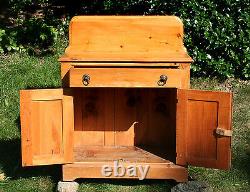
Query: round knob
[85, 79]
[162, 81]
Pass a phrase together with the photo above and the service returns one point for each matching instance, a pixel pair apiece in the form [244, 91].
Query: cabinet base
[121, 163]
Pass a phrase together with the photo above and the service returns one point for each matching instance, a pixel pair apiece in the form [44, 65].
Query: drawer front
[126, 77]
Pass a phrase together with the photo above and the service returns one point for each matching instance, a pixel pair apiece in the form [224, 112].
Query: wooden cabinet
[126, 98]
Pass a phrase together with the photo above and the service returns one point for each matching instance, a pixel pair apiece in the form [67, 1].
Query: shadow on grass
[122, 184]
[10, 162]
[42, 87]
[128, 182]
[241, 162]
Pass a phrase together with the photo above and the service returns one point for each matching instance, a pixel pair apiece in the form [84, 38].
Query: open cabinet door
[47, 125]
[203, 128]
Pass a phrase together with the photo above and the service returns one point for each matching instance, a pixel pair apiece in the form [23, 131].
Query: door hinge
[224, 132]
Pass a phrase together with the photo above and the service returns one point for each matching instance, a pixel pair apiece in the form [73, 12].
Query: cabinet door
[203, 128]
[47, 125]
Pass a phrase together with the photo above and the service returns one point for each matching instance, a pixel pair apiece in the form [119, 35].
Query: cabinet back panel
[125, 103]
[125, 117]
[94, 110]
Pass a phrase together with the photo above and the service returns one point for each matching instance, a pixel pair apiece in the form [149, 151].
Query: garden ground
[21, 71]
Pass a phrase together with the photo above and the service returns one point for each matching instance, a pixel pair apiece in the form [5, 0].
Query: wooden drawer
[127, 77]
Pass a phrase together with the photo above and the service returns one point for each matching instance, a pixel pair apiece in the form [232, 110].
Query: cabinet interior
[132, 124]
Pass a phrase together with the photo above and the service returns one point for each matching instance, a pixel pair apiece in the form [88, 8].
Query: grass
[21, 71]
[238, 178]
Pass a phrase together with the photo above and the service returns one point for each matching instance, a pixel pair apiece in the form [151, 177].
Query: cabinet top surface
[126, 39]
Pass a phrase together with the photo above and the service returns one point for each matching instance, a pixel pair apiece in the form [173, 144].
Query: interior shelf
[126, 154]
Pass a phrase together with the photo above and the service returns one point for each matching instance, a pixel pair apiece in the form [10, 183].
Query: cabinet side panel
[65, 67]
[181, 122]
[68, 126]
[185, 80]
[156, 121]
[25, 117]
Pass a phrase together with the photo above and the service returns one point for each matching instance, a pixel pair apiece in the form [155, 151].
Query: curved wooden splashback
[125, 39]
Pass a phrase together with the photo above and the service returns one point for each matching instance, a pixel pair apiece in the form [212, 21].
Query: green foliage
[217, 32]
[25, 28]
[35, 34]
[32, 35]
[217, 37]
[8, 41]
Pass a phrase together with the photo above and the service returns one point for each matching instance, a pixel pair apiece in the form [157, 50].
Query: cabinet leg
[67, 186]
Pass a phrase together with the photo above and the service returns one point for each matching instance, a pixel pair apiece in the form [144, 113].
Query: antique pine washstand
[126, 97]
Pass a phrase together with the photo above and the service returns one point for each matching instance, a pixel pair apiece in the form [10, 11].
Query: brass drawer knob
[163, 80]
[85, 79]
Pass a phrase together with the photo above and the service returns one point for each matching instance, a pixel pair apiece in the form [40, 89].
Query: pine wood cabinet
[126, 98]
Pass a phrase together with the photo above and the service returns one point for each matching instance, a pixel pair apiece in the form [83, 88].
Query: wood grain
[93, 170]
[89, 162]
[129, 154]
[68, 124]
[199, 113]
[42, 123]
[125, 116]
[65, 67]
[127, 77]
[119, 64]
[156, 121]
[129, 38]
[94, 117]
[142, 117]
[123, 113]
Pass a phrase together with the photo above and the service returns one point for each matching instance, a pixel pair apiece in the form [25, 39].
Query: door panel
[46, 126]
[47, 137]
[199, 115]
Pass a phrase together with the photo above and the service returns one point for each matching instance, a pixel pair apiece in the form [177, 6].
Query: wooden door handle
[224, 132]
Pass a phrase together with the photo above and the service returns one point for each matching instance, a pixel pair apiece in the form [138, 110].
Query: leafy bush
[217, 32]
[8, 41]
[25, 28]
[35, 34]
